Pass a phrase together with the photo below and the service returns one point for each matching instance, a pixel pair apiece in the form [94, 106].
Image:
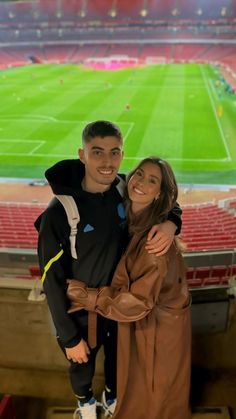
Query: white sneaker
[86, 410]
[108, 405]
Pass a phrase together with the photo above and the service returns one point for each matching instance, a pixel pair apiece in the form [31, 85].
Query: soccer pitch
[180, 112]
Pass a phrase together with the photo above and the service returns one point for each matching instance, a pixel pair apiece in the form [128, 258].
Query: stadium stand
[209, 227]
[232, 204]
[205, 227]
[17, 225]
[78, 32]
[121, 9]
[202, 276]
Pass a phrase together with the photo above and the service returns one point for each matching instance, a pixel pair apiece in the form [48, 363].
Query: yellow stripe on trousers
[50, 262]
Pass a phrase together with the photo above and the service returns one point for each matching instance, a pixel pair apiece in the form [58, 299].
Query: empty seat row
[198, 232]
[201, 276]
[210, 275]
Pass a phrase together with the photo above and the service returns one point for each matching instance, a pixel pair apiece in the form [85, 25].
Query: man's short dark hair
[101, 129]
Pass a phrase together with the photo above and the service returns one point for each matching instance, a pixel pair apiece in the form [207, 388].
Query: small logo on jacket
[88, 228]
[121, 211]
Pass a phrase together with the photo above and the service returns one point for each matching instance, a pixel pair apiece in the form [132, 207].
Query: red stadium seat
[190, 273]
[7, 409]
[34, 271]
[219, 271]
[194, 283]
[203, 272]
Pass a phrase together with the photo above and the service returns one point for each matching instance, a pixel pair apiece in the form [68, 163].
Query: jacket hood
[65, 177]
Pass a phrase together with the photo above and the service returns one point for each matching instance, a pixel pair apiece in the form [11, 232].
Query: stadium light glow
[113, 10]
[175, 12]
[199, 12]
[83, 11]
[223, 11]
[112, 13]
[143, 12]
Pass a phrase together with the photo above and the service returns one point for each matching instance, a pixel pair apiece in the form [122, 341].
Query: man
[100, 240]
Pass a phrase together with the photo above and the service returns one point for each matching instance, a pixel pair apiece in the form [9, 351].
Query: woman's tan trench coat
[150, 300]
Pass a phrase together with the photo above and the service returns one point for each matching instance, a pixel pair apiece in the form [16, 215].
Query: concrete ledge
[48, 384]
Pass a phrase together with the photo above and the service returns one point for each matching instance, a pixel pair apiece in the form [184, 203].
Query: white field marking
[9, 141]
[41, 143]
[69, 156]
[160, 86]
[213, 91]
[215, 114]
[81, 89]
[26, 118]
[181, 159]
[103, 85]
[18, 140]
[59, 121]
[126, 86]
[72, 156]
[130, 127]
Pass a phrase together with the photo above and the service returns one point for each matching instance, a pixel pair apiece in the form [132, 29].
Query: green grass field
[173, 114]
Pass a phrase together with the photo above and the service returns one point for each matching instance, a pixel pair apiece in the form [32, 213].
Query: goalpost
[156, 60]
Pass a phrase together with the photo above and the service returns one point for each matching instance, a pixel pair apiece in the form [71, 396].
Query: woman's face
[144, 186]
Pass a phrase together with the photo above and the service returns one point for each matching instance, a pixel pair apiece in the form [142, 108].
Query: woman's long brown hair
[158, 210]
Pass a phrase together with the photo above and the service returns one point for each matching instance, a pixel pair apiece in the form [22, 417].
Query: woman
[150, 300]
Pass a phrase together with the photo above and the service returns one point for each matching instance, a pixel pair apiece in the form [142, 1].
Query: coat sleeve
[175, 216]
[53, 262]
[124, 300]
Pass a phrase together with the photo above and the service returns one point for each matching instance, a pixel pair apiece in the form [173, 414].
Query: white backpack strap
[73, 218]
[121, 186]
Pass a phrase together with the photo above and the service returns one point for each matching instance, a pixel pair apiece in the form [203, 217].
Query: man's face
[102, 158]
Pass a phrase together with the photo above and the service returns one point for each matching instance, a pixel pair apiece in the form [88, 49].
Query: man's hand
[78, 353]
[160, 238]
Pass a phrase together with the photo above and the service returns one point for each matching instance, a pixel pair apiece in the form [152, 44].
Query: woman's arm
[161, 236]
[122, 302]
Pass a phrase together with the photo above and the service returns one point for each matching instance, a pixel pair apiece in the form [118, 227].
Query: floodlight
[143, 12]
[112, 13]
[175, 11]
[223, 11]
[199, 12]
[82, 13]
